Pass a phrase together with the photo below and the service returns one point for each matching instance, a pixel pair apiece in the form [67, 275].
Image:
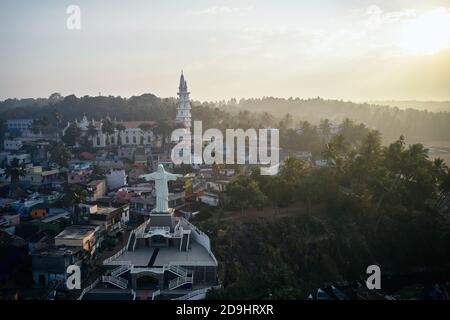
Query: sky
[349, 49]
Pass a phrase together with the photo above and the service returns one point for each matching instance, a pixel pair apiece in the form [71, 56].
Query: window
[127, 140]
[134, 139]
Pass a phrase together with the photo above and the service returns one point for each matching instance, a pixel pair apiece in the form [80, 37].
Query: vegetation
[371, 205]
[15, 170]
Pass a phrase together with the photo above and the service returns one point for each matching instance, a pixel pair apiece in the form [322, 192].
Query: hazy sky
[358, 50]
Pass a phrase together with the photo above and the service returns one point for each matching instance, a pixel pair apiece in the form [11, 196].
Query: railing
[177, 282]
[166, 229]
[155, 294]
[147, 269]
[193, 294]
[182, 272]
[120, 270]
[89, 288]
[113, 257]
[119, 282]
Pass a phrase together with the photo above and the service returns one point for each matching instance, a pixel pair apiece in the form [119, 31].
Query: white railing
[89, 288]
[120, 270]
[165, 229]
[155, 294]
[113, 257]
[177, 282]
[119, 282]
[146, 269]
[196, 293]
[182, 272]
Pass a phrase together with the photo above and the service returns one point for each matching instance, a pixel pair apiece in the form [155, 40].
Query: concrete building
[96, 189]
[49, 264]
[83, 236]
[12, 145]
[116, 179]
[21, 127]
[38, 176]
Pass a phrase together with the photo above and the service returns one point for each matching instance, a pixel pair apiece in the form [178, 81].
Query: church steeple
[184, 106]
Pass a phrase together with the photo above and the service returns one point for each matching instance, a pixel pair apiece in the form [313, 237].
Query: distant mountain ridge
[432, 106]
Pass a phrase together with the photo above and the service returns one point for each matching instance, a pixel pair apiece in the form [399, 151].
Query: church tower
[184, 106]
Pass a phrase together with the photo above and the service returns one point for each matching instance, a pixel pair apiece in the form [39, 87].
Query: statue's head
[160, 168]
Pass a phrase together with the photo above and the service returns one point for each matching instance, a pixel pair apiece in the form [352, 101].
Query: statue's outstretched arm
[172, 176]
[149, 176]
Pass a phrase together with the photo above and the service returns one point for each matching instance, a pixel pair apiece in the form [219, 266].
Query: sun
[428, 33]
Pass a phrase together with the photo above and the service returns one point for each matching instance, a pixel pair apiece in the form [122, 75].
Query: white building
[12, 145]
[132, 135]
[184, 106]
[116, 179]
[22, 127]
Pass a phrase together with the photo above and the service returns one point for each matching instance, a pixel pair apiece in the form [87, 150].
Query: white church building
[133, 135]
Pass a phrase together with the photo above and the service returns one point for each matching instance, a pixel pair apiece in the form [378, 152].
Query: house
[136, 170]
[79, 177]
[54, 223]
[126, 153]
[96, 189]
[12, 145]
[79, 172]
[116, 178]
[140, 156]
[21, 127]
[83, 236]
[110, 218]
[211, 199]
[42, 210]
[38, 176]
[49, 264]
[107, 218]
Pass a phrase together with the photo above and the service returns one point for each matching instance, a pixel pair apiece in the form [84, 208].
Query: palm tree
[164, 128]
[108, 128]
[74, 195]
[15, 170]
[59, 154]
[120, 128]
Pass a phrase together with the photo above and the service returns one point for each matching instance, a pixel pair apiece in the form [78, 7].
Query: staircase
[132, 242]
[179, 271]
[120, 270]
[118, 282]
[178, 282]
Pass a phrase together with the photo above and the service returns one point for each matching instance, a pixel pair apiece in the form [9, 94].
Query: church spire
[183, 104]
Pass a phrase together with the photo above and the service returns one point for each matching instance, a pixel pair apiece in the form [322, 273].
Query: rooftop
[196, 255]
[77, 232]
[56, 251]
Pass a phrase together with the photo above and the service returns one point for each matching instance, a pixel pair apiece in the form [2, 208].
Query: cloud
[219, 10]
[376, 17]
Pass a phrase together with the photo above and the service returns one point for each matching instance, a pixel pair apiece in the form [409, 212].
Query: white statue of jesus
[161, 177]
